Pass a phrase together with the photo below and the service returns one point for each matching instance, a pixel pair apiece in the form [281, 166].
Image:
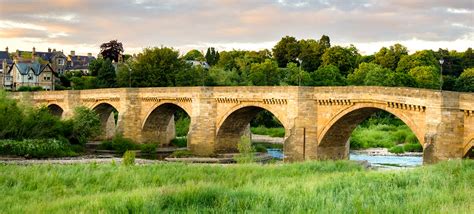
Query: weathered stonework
[318, 120]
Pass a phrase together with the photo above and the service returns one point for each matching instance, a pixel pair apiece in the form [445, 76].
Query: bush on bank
[38, 129]
[36, 148]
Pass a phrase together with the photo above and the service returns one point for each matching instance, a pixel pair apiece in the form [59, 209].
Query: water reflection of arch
[335, 134]
[158, 125]
[235, 123]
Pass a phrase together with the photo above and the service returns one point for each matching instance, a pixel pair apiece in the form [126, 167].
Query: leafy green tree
[465, 82]
[294, 75]
[453, 62]
[286, 50]
[426, 76]
[106, 77]
[265, 73]
[369, 74]
[222, 77]
[311, 52]
[11, 117]
[399, 79]
[85, 125]
[343, 58]
[468, 59]
[328, 75]
[194, 55]
[123, 75]
[389, 57]
[212, 56]
[419, 58]
[156, 67]
[94, 66]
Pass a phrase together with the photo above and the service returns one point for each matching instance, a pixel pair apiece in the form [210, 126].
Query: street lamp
[299, 71]
[441, 62]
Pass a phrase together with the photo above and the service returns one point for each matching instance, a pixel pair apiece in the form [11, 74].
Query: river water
[374, 160]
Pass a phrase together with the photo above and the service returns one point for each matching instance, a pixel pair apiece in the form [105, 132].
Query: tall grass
[382, 135]
[311, 187]
[272, 132]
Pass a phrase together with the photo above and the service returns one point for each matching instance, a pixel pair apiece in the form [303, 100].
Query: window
[60, 61]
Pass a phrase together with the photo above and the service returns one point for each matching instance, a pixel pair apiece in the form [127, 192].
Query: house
[31, 74]
[79, 63]
[5, 61]
[195, 63]
[56, 59]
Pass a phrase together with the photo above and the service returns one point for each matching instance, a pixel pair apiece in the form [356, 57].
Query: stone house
[56, 59]
[31, 74]
[5, 61]
[79, 63]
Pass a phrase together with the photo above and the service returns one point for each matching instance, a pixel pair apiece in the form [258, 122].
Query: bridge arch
[333, 139]
[56, 110]
[108, 115]
[235, 123]
[159, 124]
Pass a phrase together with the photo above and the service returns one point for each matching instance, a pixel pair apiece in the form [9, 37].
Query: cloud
[248, 24]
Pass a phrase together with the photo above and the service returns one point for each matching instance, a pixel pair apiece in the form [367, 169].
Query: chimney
[73, 53]
[17, 53]
[54, 50]
[49, 50]
[6, 49]
[89, 55]
[34, 51]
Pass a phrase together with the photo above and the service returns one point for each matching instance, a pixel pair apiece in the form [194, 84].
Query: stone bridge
[318, 121]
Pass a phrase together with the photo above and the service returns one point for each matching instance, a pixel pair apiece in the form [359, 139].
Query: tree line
[305, 62]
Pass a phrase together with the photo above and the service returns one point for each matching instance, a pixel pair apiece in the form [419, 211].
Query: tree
[265, 73]
[419, 58]
[453, 62]
[111, 50]
[123, 75]
[86, 125]
[328, 76]
[156, 67]
[294, 75]
[369, 74]
[212, 56]
[399, 79]
[465, 82]
[426, 76]
[468, 59]
[106, 77]
[286, 50]
[389, 57]
[194, 55]
[343, 58]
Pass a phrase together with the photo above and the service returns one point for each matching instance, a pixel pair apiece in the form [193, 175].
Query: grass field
[323, 187]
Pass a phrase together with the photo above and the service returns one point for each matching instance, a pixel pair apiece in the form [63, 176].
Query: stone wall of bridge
[317, 120]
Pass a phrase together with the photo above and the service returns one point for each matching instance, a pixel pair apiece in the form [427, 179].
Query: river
[379, 161]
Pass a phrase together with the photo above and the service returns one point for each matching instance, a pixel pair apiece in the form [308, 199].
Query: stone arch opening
[167, 124]
[108, 116]
[237, 124]
[55, 110]
[336, 141]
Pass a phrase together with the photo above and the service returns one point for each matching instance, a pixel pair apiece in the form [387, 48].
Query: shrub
[246, 151]
[397, 150]
[413, 147]
[260, 148]
[180, 142]
[181, 154]
[272, 132]
[30, 88]
[182, 126]
[36, 148]
[149, 148]
[119, 144]
[129, 158]
[85, 125]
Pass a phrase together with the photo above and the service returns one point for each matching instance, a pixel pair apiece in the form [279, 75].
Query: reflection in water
[377, 161]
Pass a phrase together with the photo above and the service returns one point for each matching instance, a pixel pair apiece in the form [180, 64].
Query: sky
[82, 25]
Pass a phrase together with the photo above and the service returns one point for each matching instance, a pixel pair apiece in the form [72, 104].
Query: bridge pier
[202, 130]
[445, 129]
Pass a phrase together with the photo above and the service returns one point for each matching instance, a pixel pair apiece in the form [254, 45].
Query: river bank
[321, 187]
